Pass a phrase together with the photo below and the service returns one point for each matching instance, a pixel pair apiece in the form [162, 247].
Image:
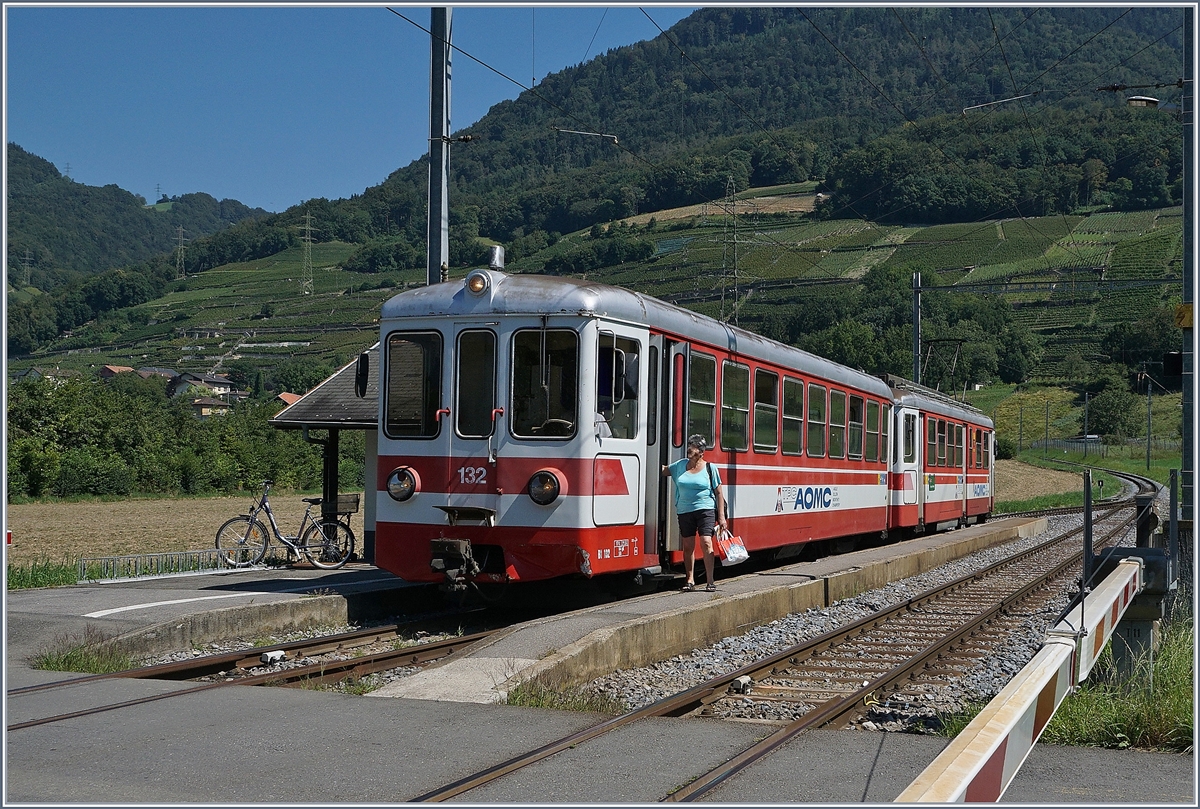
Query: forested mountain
[871, 101]
[70, 231]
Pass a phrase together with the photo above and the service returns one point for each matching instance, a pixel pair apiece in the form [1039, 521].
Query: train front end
[508, 432]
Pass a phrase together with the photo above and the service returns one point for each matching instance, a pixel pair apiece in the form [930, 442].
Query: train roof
[909, 393]
[528, 294]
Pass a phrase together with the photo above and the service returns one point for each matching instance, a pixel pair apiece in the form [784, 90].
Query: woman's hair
[698, 442]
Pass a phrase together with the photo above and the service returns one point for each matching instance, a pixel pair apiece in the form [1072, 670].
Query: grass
[1128, 459]
[539, 693]
[90, 653]
[42, 573]
[1151, 711]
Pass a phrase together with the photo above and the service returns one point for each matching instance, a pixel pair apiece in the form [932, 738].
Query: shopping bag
[730, 549]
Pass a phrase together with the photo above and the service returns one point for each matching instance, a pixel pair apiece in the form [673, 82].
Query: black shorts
[702, 522]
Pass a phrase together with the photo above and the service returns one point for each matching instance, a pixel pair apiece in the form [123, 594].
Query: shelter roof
[333, 403]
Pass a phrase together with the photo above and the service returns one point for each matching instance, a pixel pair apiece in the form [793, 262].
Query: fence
[1131, 447]
[101, 568]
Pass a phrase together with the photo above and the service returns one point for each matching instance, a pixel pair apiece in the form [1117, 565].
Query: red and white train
[524, 418]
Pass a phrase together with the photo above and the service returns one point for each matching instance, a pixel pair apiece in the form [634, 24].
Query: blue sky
[271, 105]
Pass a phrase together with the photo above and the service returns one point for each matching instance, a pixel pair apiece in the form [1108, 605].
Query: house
[289, 398]
[190, 383]
[147, 372]
[205, 406]
[109, 371]
[55, 375]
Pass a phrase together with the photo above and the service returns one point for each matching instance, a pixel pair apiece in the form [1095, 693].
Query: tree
[1114, 412]
[300, 374]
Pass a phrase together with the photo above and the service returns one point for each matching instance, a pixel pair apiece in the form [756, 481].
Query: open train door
[909, 501]
[672, 435]
[658, 439]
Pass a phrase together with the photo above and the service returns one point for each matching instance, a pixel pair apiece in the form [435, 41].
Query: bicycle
[243, 540]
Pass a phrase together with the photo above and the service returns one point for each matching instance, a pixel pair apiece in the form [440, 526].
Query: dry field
[784, 203]
[68, 531]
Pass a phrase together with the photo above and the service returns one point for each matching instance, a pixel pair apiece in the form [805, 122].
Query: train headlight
[403, 483]
[478, 282]
[545, 486]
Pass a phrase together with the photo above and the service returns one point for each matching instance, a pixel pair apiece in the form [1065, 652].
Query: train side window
[702, 397]
[987, 450]
[910, 438]
[545, 384]
[958, 446]
[475, 387]
[816, 421]
[856, 427]
[413, 395]
[735, 406]
[978, 435]
[617, 369]
[837, 424]
[885, 417]
[931, 445]
[793, 416]
[871, 448]
[766, 411]
[941, 442]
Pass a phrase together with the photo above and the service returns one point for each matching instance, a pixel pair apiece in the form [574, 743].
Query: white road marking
[152, 604]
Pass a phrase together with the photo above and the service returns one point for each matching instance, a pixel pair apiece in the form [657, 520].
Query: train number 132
[472, 475]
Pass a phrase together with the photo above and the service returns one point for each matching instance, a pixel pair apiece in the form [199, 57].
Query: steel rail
[246, 658]
[713, 689]
[839, 708]
[420, 654]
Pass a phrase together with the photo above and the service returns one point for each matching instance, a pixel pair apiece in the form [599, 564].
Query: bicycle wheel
[328, 545]
[242, 542]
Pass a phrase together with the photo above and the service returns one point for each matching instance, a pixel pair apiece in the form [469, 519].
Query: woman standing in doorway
[700, 506]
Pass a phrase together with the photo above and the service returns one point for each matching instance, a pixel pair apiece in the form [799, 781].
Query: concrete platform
[580, 646]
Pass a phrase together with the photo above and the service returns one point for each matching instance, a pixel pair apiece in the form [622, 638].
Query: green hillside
[69, 231]
[257, 310]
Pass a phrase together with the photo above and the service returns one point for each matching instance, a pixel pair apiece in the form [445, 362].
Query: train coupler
[453, 559]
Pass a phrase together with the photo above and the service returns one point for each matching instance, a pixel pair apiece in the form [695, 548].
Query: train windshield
[414, 384]
[545, 383]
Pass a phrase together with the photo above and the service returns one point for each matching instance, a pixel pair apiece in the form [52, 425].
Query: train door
[657, 440]
[908, 467]
[618, 470]
[674, 422]
[475, 427]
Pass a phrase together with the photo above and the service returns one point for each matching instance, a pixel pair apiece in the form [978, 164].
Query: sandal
[711, 588]
[687, 588]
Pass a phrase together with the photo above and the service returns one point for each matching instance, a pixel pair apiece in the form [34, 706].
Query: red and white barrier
[981, 761]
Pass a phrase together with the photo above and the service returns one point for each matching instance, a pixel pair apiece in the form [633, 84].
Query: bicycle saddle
[316, 501]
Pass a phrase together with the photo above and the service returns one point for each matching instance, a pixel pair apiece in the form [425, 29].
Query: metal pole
[1149, 395]
[1046, 443]
[916, 282]
[1087, 528]
[1189, 246]
[438, 230]
[1085, 423]
[1021, 429]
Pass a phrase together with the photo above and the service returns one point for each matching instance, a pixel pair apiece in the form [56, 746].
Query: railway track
[831, 679]
[334, 658]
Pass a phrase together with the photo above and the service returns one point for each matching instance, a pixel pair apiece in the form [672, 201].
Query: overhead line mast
[437, 263]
